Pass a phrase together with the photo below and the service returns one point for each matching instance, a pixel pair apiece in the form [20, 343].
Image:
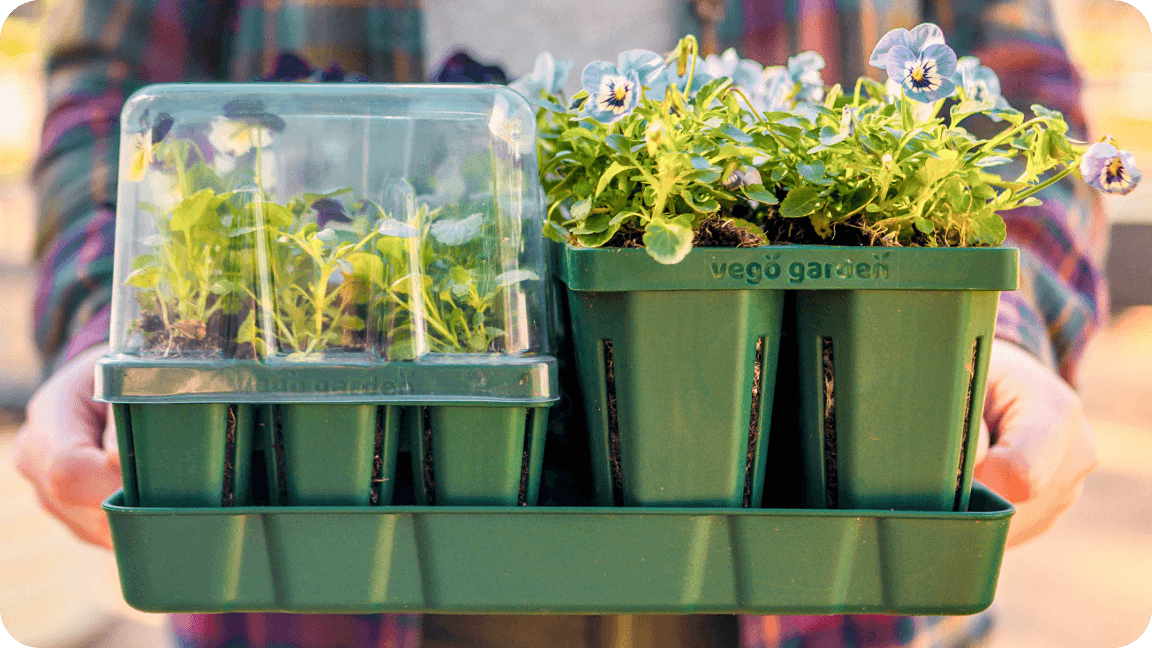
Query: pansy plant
[643, 151]
[774, 154]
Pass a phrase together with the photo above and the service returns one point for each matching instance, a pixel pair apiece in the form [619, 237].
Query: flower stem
[1031, 191]
[692, 55]
[756, 113]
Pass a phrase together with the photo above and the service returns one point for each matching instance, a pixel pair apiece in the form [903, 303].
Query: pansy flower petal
[894, 38]
[593, 73]
[160, 128]
[647, 65]
[560, 71]
[923, 35]
[944, 58]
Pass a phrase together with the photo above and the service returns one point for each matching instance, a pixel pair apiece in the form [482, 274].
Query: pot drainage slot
[831, 488]
[427, 466]
[228, 496]
[967, 431]
[754, 422]
[378, 477]
[278, 450]
[613, 425]
[526, 457]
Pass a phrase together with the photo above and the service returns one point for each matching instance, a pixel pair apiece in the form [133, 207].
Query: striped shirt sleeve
[116, 47]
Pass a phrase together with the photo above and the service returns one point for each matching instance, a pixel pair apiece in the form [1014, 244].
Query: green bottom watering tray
[556, 560]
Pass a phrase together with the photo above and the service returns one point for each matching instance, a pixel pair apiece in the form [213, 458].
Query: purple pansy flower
[547, 76]
[328, 211]
[919, 61]
[1109, 169]
[290, 67]
[782, 87]
[161, 127]
[462, 68]
[804, 69]
[980, 83]
[614, 90]
[745, 73]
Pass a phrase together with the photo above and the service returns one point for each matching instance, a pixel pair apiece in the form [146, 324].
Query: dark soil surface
[712, 232]
[800, 231]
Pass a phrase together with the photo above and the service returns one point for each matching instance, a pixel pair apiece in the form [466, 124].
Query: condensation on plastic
[352, 225]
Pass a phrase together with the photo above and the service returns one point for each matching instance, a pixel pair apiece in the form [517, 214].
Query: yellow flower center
[620, 92]
[918, 74]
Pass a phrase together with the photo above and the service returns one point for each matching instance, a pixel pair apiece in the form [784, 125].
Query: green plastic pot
[906, 331]
[327, 432]
[185, 454]
[475, 455]
[892, 391]
[560, 560]
[891, 348]
[333, 454]
[677, 381]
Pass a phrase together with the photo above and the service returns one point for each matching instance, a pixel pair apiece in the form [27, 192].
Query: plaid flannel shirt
[120, 45]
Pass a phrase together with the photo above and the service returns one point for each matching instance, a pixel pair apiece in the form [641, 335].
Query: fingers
[88, 524]
[60, 449]
[1035, 418]
[1035, 518]
[83, 476]
[1043, 446]
[982, 443]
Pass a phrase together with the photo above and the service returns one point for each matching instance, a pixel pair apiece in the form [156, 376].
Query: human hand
[1043, 445]
[61, 449]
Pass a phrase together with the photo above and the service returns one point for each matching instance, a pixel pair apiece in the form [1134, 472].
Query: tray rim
[1003, 510]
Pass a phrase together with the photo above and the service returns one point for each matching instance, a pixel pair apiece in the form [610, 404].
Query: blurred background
[1087, 583]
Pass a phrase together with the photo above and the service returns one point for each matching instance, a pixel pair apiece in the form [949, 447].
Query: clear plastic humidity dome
[390, 229]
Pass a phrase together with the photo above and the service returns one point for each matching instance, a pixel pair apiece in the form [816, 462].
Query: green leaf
[1041, 111]
[598, 238]
[736, 134]
[247, 332]
[505, 279]
[593, 224]
[667, 241]
[750, 227]
[760, 194]
[993, 160]
[580, 210]
[556, 232]
[190, 210]
[143, 261]
[607, 176]
[617, 142]
[988, 227]
[146, 278]
[800, 201]
[274, 215]
[579, 132]
[814, 173]
[926, 226]
[706, 205]
[368, 266]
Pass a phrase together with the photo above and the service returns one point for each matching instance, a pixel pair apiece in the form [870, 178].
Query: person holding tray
[1038, 447]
